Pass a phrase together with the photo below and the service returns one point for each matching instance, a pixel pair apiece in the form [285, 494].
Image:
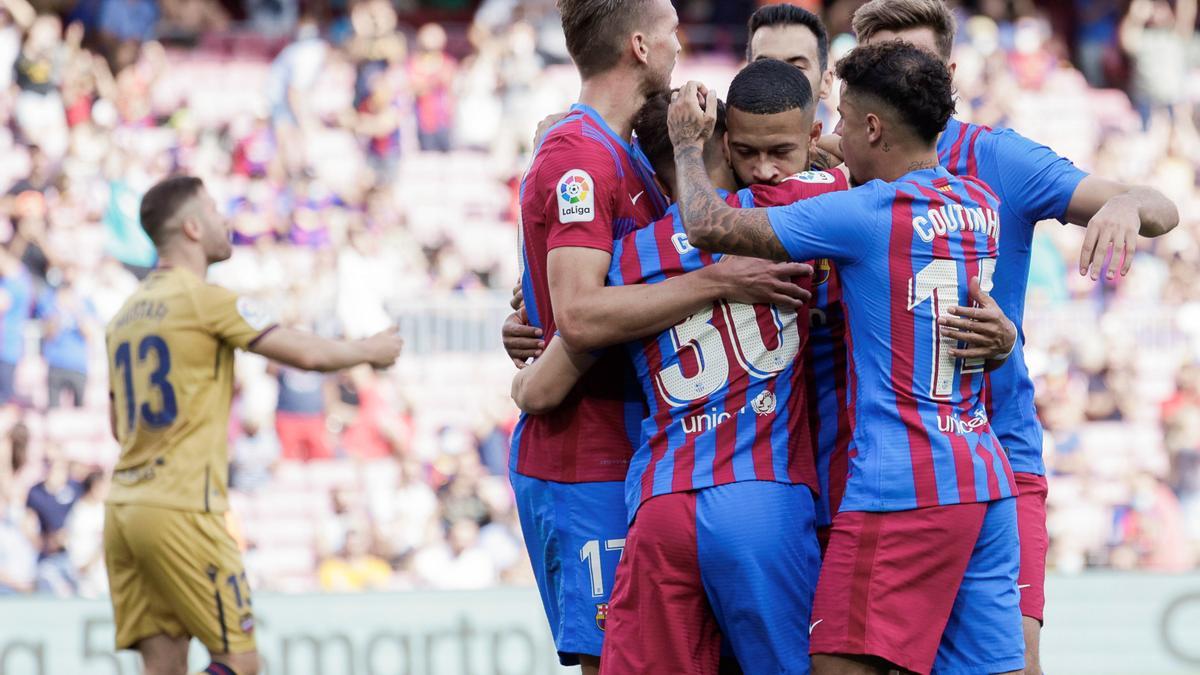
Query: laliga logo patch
[601, 615]
[253, 313]
[247, 624]
[576, 199]
[812, 177]
[764, 403]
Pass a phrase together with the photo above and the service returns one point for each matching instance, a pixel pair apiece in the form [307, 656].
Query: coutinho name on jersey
[950, 218]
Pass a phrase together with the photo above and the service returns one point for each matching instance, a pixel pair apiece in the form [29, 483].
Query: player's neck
[895, 165]
[609, 95]
[192, 261]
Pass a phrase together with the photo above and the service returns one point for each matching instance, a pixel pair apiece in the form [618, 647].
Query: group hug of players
[833, 450]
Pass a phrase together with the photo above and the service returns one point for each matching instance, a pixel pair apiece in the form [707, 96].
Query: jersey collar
[596, 119]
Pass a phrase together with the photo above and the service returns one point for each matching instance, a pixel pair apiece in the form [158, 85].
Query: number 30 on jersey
[746, 342]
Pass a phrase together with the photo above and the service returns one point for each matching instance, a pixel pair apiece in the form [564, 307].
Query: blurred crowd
[368, 158]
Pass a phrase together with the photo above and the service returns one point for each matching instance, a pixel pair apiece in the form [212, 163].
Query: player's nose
[766, 172]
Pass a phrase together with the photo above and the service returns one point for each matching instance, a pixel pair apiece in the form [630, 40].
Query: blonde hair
[898, 15]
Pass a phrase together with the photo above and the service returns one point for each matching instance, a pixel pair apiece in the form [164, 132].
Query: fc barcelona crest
[601, 615]
[822, 272]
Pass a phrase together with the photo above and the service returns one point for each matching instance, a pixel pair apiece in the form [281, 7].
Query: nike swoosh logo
[1020, 586]
[635, 198]
[814, 625]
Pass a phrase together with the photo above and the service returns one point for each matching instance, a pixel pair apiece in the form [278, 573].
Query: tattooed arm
[829, 225]
[712, 224]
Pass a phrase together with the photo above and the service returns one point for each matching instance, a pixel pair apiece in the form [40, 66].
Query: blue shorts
[575, 533]
[737, 561]
[932, 589]
[980, 633]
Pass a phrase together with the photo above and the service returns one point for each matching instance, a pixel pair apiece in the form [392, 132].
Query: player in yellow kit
[174, 570]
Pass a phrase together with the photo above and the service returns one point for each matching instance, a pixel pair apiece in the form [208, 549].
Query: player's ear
[874, 128]
[641, 47]
[827, 84]
[725, 149]
[192, 229]
[953, 66]
[815, 133]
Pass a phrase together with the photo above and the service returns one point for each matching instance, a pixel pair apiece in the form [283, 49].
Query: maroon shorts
[911, 587]
[1035, 540]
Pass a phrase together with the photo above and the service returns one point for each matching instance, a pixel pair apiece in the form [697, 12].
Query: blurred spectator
[1096, 39]
[355, 568]
[69, 325]
[256, 451]
[15, 17]
[431, 71]
[460, 562]
[123, 26]
[40, 115]
[406, 511]
[15, 304]
[51, 501]
[1156, 36]
[290, 83]
[85, 536]
[18, 555]
[273, 18]
[370, 428]
[300, 414]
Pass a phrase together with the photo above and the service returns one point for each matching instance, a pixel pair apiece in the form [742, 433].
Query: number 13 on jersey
[155, 394]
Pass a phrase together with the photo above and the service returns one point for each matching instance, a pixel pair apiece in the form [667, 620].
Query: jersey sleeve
[581, 201]
[1035, 182]
[237, 321]
[804, 185]
[837, 225]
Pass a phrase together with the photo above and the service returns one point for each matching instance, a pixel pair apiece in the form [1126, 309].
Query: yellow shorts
[176, 573]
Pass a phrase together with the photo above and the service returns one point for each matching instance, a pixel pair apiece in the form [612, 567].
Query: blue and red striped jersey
[905, 252]
[725, 387]
[1034, 184]
[584, 188]
[828, 363]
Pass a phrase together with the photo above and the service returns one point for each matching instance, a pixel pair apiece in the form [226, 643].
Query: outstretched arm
[712, 224]
[313, 352]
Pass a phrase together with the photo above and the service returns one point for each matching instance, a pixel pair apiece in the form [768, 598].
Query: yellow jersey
[170, 359]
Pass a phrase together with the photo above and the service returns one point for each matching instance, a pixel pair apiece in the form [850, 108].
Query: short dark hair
[650, 125]
[596, 29]
[898, 15]
[784, 14]
[908, 79]
[770, 86]
[162, 203]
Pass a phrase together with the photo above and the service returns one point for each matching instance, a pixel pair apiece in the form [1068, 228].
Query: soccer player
[1034, 184]
[720, 492]
[174, 570]
[797, 36]
[586, 186]
[928, 525]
